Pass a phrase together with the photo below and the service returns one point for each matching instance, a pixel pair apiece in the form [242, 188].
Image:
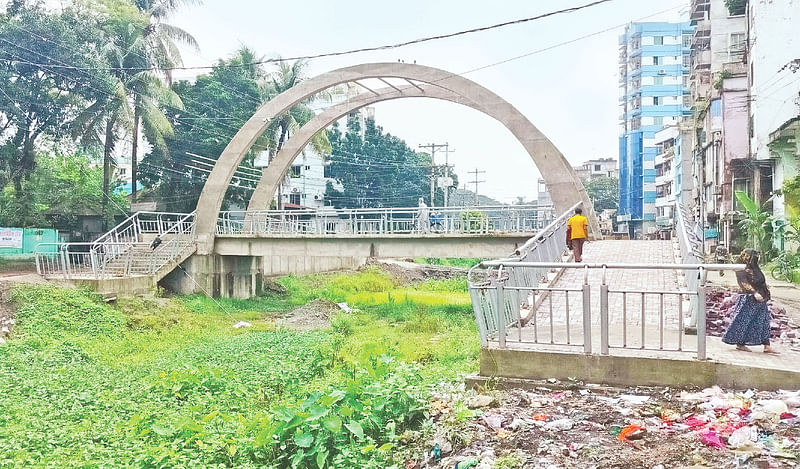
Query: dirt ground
[579, 426]
[406, 273]
[315, 314]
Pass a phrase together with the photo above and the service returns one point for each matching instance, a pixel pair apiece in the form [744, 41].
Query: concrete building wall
[775, 87]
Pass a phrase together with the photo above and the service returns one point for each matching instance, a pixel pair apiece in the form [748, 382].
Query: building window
[658, 80]
[294, 171]
[687, 41]
[656, 101]
[597, 167]
[687, 60]
[327, 172]
[658, 40]
[737, 46]
[716, 107]
[294, 198]
[658, 120]
[656, 60]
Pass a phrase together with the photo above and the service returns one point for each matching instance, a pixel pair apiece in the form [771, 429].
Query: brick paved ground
[625, 310]
[629, 319]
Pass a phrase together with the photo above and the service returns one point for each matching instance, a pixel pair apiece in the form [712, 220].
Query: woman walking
[751, 321]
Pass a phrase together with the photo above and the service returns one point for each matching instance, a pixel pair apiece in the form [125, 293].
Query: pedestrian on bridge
[423, 217]
[577, 231]
[751, 320]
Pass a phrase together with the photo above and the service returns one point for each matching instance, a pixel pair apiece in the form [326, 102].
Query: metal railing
[548, 245]
[123, 251]
[624, 318]
[691, 250]
[380, 221]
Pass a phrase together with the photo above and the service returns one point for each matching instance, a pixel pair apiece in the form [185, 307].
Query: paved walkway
[562, 323]
[627, 311]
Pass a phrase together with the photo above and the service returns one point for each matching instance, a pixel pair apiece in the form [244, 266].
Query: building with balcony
[654, 65]
[722, 158]
[774, 79]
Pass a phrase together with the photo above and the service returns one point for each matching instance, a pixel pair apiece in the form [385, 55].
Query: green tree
[59, 187]
[216, 105]
[604, 193]
[38, 96]
[736, 7]
[161, 44]
[376, 170]
[137, 95]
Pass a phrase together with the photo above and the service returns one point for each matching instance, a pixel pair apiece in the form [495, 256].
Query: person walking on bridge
[577, 230]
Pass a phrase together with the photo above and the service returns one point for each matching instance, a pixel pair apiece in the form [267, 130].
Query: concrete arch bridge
[228, 253]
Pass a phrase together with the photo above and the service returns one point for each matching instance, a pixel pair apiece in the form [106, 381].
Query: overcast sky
[569, 92]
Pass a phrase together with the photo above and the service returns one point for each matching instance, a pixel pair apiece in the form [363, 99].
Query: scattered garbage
[241, 324]
[608, 427]
[631, 432]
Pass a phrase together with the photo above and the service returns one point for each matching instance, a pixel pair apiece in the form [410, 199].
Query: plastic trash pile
[720, 305]
[594, 427]
[751, 424]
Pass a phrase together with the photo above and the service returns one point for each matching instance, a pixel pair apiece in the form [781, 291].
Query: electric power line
[358, 50]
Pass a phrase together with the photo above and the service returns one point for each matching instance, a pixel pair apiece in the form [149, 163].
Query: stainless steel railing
[381, 221]
[623, 317]
[548, 245]
[691, 252]
[121, 252]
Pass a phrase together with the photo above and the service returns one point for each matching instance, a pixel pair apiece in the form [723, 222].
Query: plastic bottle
[466, 463]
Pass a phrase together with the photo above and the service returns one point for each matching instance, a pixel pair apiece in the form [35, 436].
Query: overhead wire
[362, 49]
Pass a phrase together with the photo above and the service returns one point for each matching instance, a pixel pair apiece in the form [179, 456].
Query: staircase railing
[548, 246]
[691, 249]
[122, 251]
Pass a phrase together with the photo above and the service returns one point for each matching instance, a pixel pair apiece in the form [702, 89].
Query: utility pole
[433, 147]
[476, 182]
[447, 152]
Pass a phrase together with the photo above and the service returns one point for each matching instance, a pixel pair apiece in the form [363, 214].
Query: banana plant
[755, 223]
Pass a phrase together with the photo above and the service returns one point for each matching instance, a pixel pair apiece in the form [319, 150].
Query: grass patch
[169, 382]
[464, 263]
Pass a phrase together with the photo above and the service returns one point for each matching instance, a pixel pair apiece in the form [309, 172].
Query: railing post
[65, 261]
[701, 314]
[604, 315]
[587, 314]
[501, 307]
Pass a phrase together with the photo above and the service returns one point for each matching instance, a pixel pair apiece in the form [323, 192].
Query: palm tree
[133, 93]
[285, 77]
[162, 53]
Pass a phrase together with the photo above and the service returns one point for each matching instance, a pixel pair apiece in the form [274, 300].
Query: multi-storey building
[721, 104]
[774, 72]
[654, 69]
[601, 167]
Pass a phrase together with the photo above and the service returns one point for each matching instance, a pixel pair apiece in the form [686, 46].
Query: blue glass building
[654, 65]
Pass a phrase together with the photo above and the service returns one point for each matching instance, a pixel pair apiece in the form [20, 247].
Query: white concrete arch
[563, 183]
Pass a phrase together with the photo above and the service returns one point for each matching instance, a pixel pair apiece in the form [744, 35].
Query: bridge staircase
[127, 259]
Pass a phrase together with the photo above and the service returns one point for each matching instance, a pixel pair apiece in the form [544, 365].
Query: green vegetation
[736, 7]
[169, 382]
[378, 169]
[465, 263]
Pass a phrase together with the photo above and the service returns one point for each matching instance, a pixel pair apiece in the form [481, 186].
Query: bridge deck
[626, 317]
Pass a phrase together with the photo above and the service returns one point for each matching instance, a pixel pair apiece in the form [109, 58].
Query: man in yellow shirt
[577, 228]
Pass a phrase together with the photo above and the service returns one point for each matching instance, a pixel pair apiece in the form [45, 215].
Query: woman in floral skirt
[751, 321]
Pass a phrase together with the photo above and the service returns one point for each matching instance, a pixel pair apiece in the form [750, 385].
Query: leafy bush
[50, 312]
[353, 426]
